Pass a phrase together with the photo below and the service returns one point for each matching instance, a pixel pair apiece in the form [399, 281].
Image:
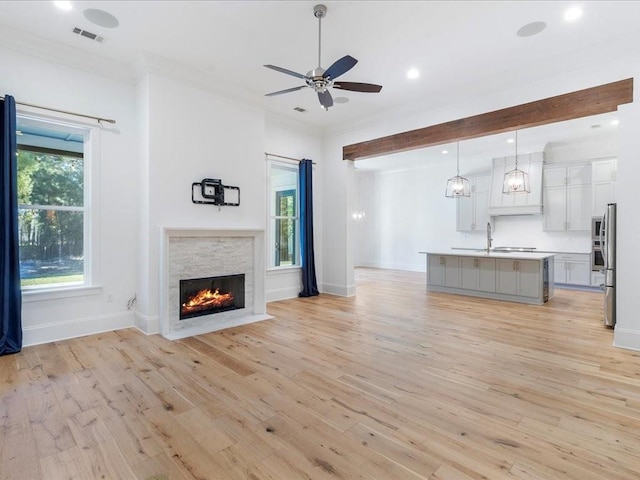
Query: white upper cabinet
[567, 197]
[472, 212]
[604, 185]
[520, 203]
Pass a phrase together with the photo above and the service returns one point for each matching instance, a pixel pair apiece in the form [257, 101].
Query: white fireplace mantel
[199, 252]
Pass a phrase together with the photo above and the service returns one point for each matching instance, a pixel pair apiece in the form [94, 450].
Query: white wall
[290, 139]
[41, 82]
[627, 330]
[194, 134]
[405, 212]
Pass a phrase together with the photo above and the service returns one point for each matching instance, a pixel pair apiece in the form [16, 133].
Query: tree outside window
[51, 213]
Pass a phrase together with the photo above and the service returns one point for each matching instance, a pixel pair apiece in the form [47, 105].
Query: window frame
[272, 218]
[90, 284]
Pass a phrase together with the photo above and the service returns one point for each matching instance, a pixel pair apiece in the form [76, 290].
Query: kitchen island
[524, 277]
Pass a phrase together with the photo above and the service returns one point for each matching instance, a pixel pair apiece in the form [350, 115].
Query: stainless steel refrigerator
[608, 244]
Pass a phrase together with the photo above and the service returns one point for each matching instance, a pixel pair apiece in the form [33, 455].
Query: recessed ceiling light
[444, 152]
[63, 5]
[573, 13]
[531, 29]
[101, 18]
[615, 122]
[510, 140]
[413, 73]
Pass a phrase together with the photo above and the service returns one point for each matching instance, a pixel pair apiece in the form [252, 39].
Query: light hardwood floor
[396, 383]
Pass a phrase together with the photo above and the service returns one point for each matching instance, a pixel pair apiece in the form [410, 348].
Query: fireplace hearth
[211, 295]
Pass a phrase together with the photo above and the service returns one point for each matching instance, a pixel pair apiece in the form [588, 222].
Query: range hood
[520, 203]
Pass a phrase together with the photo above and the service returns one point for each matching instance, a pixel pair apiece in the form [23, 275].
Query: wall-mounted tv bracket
[211, 191]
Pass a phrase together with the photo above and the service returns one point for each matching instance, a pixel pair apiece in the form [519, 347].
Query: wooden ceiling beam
[582, 103]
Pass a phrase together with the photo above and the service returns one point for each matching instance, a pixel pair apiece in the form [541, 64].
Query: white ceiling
[460, 47]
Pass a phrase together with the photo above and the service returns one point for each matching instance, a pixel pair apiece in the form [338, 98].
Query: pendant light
[516, 180]
[457, 186]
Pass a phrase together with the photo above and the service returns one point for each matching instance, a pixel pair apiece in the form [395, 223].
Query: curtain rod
[285, 158]
[99, 119]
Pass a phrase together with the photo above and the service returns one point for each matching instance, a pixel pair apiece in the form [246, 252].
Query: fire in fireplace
[206, 296]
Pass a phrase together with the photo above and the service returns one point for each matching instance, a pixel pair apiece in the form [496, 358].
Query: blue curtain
[309, 283]
[10, 295]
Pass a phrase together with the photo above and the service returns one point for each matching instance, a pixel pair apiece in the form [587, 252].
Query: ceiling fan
[320, 79]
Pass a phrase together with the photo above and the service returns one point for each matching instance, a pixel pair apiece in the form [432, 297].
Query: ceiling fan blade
[358, 87]
[284, 70]
[339, 67]
[280, 92]
[325, 99]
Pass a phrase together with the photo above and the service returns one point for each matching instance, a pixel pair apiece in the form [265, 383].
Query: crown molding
[28, 44]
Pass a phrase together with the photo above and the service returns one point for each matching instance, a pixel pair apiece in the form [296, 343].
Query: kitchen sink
[513, 249]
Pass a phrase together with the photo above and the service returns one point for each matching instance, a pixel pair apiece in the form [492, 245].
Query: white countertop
[484, 253]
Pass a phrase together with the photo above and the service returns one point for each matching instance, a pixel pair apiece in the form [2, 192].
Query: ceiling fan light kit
[320, 79]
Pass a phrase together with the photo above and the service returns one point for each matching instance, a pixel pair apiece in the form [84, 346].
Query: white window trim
[271, 268]
[91, 248]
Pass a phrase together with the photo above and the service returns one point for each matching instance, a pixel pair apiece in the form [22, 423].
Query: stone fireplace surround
[195, 253]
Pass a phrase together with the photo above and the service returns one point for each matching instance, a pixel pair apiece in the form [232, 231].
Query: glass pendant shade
[516, 180]
[458, 186]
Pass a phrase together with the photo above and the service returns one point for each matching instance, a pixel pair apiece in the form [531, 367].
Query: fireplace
[195, 254]
[210, 295]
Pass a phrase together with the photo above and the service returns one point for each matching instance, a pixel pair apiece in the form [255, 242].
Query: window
[53, 217]
[284, 222]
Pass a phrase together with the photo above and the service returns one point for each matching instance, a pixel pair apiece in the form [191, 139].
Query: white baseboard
[282, 294]
[147, 324]
[624, 338]
[409, 267]
[207, 328]
[340, 290]
[53, 332]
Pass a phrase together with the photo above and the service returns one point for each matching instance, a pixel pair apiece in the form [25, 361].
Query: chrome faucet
[489, 239]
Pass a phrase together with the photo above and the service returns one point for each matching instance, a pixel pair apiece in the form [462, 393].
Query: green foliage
[47, 179]
[29, 282]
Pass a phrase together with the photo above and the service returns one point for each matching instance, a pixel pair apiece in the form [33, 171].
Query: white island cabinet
[478, 274]
[443, 270]
[516, 277]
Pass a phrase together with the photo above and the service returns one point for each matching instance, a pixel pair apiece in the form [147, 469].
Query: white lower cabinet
[478, 274]
[442, 270]
[597, 279]
[572, 268]
[518, 277]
